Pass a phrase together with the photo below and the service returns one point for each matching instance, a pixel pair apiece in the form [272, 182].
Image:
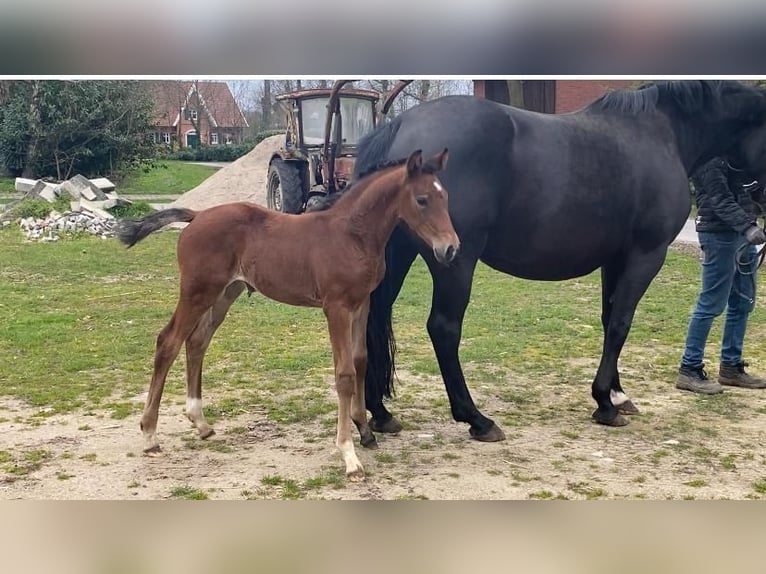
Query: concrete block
[24, 185]
[44, 191]
[86, 188]
[96, 208]
[103, 184]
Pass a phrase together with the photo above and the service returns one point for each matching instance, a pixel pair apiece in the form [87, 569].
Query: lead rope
[746, 267]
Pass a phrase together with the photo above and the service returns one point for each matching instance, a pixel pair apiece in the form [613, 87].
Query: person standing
[728, 233]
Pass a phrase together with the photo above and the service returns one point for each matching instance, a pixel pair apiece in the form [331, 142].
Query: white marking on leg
[618, 398]
[195, 415]
[354, 468]
[194, 410]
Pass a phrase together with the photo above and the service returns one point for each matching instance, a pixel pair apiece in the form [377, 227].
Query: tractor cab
[324, 128]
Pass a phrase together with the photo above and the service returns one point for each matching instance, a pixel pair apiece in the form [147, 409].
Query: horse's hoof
[391, 426]
[494, 434]
[617, 421]
[371, 442]
[153, 450]
[206, 433]
[628, 408]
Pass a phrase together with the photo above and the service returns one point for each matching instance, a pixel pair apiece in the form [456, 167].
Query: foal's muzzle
[446, 253]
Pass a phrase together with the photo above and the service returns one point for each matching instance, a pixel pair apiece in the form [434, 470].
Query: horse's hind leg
[169, 341]
[339, 323]
[359, 351]
[196, 347]
[609, 275]
[630, 284]
[401, 251]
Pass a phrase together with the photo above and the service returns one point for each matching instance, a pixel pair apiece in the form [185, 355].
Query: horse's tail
[381, 344]
[131, 231]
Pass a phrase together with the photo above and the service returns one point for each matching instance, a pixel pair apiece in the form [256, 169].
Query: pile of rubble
[89, 200]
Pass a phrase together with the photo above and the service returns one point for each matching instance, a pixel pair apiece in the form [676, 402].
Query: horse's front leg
[339, 322]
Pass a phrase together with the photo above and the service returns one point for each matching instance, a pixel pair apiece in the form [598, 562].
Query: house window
[155, 137]
[193, 115]
[166, 137]
[229, 139]
[214, 138]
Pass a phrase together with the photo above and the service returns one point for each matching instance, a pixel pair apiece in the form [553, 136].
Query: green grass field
[84, 313]
[168, 176]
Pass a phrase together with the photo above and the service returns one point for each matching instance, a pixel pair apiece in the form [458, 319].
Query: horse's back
[553, 196]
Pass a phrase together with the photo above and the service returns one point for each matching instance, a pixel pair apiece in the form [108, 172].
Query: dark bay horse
[331, 259]
[553, 197]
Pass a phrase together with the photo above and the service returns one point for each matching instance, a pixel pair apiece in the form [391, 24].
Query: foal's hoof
[391, 426]
[206, 433]
[617, 421]
[494, 434]
[356, 475]
[153, 450]
[628, 408]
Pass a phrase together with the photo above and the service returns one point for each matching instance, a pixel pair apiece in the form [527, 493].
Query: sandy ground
[668, 451]
[242, 180]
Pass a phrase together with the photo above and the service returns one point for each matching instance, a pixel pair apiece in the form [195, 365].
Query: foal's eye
[422, 200]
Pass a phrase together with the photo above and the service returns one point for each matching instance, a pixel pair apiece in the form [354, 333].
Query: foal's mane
[688, 96]
[326, 202]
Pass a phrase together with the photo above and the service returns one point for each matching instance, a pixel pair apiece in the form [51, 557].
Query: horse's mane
[326, 202]
[689, 96]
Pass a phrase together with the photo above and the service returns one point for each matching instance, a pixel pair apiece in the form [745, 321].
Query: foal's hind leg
[629, 286]
[196, 347]
[359, 350]
[609, 276]
[169, 341]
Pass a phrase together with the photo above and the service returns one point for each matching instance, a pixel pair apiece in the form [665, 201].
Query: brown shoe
[735, 376]
[695, 379]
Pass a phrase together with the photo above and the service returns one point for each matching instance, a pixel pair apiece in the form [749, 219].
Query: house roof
[171, 96]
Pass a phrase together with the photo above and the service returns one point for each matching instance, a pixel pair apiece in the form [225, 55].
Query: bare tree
[266, 104]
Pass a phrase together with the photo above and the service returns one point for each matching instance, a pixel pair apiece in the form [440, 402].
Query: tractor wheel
[285, 192]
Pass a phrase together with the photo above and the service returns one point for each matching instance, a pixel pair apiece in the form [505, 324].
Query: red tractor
[324, 127]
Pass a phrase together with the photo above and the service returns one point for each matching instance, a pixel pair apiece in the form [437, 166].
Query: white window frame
[214, 138]
[166, 137]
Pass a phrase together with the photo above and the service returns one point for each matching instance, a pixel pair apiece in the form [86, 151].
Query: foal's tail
[131, 231]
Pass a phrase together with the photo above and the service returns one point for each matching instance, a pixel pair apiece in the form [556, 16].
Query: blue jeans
[725, 285]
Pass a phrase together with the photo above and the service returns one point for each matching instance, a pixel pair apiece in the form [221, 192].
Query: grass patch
[166, 176]
[188, 493]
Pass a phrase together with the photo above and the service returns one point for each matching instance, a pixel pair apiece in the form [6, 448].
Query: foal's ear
[437, 162]
[415, 163]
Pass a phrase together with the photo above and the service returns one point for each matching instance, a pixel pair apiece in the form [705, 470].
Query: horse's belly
[544, 265]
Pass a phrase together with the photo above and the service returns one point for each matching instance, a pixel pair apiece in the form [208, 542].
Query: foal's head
[423, 206]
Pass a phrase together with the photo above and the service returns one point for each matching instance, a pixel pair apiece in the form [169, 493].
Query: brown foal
[331, 259]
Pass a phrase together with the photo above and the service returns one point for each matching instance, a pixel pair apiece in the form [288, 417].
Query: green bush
[37, 208]
[135, 209]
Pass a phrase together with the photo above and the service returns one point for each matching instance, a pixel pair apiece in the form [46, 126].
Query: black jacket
[724, 197]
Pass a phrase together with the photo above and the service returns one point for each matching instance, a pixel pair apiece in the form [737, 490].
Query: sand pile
[243, 180]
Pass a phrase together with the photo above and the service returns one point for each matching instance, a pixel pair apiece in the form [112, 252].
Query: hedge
[221, 152]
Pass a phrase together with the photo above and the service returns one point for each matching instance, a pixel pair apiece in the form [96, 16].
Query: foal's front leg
[359, 350]
[339, 322]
